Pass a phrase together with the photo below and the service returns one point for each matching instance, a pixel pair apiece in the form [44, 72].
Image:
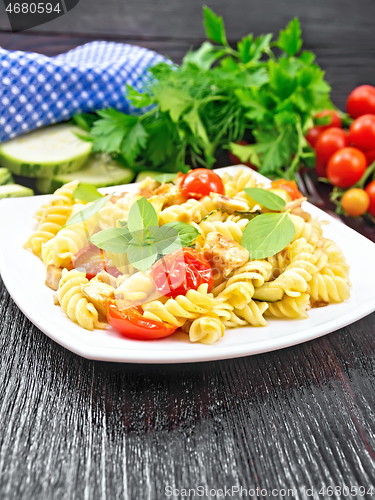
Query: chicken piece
[224, 255]
[230, 205]
[136, 288]
[56, 300]
[170, 194]
[53, 276]
[148, 187]
[107, 278]
[98, 293]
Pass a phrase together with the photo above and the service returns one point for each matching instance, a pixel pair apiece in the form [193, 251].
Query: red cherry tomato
[130, 323]
[182, 270]
[362, 132]
[346, 167]
[320, 168]
[288, 186]
[370, 190]
[201, 182]
[361, 101]
[334, 122]
[235, 160]
[93, 260]
[330, 141]
[370, 156]
[312, 136]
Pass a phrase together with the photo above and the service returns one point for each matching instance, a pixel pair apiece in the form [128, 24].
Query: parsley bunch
[264, 91]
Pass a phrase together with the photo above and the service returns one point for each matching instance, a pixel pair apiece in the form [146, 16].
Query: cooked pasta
[212, 285]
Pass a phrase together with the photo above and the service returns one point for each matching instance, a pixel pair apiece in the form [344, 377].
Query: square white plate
[24, 276]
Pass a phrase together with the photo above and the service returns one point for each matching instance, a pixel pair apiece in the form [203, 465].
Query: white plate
[24, 275]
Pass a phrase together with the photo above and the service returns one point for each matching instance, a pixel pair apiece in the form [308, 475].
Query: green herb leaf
[174, 101]
[266, 198]
[245, 48]
[290, 40]
[186, 233]
[141, 215]
[134, 142]
[195, 123]
[142, 257]
[88, 212]
[114, 240]
[204, 57]
[214, 26]
[248, 215]
[138, 99]
[163, 178]
[267, 234]
[87, 193]
[246, 153]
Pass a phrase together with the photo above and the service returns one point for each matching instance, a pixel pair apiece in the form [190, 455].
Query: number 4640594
[32, 8]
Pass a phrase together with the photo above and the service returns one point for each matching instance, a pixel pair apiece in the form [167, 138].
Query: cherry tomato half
[355, 202]
[130, 323]
[182, 270]
[335, 120]
[361, 101]
[362, 132]
[288, 186]
[370, 190]
[330, 141]
[236, 161]
[201, 182]
[312, 136]
[93, 260]
[346, 167]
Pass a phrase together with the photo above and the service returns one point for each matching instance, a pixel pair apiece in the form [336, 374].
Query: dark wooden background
[298, 418]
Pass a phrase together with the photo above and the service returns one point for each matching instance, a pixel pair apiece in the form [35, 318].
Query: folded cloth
[37, 90]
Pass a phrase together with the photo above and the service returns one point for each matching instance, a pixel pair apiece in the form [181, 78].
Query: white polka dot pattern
[93, 76]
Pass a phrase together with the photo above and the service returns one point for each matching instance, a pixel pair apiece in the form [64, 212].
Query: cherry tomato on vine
[130, 323]
[362, 132]
[335, 120]
[320, 168]
[346, 167]
[201, 182]
[312, 136]
[288, 186]
[370, 156]
[182, 270]
[355, 202]
[361, 101]
[370, 190]
[330, 141]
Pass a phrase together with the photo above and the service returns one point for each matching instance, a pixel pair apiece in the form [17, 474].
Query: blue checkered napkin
[36, 90]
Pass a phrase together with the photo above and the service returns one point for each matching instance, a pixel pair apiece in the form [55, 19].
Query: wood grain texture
[73, 428]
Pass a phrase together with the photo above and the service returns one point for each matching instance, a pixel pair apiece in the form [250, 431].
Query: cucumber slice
[14, 191]
[46, 152]
[5, 176]
[99, 170]
[147, 173]
[266, 293]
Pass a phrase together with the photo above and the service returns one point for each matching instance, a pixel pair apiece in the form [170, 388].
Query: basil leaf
[267, 234]
[86, 192]
[163, 178]
[186, 233]
[141, 215]
[114, 240]
[142, 257]
[266, 198]
[88, 212]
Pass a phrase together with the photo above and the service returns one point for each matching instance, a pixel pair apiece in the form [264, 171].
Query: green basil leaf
[87, 193]
[142, 257]
[266, 198]
[141, 215]
[267, 234]
[114, 240]
[167, 240]
[186, 233]
[88, 212]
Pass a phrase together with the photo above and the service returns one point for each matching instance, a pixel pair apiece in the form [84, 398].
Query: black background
[296, 418]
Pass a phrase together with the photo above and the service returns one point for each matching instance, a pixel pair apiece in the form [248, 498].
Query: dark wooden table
[301, 418]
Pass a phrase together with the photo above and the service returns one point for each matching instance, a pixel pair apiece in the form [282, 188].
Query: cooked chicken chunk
[53, 276]
[170, 194]
[148, 187]
[223, 254]
[230, 205]
[136, 288]
[98, 293]
[107, 278]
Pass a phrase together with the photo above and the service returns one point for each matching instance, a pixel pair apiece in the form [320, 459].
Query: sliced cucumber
[266, 293]
[147, 173]
[5, 177]
[46, 152]
[99, 170]
[14, 191]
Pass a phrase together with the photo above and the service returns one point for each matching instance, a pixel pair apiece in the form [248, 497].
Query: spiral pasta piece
[206, 330]
[61, 197]
[190, 211]
[230, 229]
[53, 219]
[60, 250]
[74, 304]
[326, 289]
[311, 233]
[251, 314]
[290, 307]
[242, 179]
